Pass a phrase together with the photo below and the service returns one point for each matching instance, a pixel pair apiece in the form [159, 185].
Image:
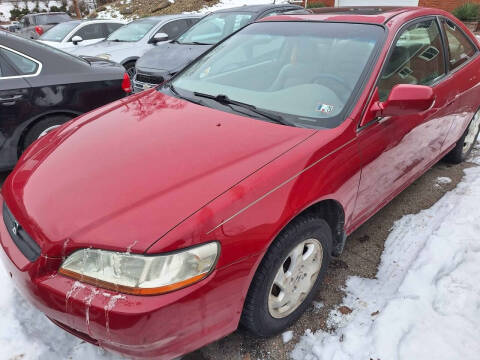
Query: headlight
[141, 274]
[105, 56]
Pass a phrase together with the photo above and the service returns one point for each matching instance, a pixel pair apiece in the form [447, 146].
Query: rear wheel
[42, 128]
[465, 145]
[288, 277]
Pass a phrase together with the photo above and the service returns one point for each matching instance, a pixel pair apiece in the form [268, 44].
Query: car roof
[170, 17]
[360, 14]
[256, 8]
[48, 13]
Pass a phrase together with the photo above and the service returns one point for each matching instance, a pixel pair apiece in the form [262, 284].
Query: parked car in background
[34, 25]
[42, 87]
[12, 27]
[76, 33]
[131, 41]
[162, 62]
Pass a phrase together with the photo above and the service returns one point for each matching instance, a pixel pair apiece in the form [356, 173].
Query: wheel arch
[333, 213]
[35, 120]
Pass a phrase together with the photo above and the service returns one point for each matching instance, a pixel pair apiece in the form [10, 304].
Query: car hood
[170, 57]
[124, 175]
[103, 47]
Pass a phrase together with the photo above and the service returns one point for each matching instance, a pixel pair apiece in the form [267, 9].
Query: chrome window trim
[39, 69]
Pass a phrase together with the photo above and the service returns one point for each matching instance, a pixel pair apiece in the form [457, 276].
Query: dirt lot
[360, 258]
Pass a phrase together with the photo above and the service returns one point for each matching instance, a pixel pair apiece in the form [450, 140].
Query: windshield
[215, 27]
[51, 19]
[304, 71]
[59, 32]
[133, 31]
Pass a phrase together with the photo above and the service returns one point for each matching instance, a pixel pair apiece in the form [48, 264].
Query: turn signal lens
[141, 274]
[126, 84]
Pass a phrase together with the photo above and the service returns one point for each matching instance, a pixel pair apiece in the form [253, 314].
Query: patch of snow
[114, 14]
[7, 6]
[442, 180]
[287, 336]
[425, 300]
[317, 305]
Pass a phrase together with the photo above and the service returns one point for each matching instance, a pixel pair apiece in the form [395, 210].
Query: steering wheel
[338, 80]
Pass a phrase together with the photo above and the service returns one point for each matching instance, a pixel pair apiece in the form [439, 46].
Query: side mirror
[159, 37]
[406, 99]
[76, 39]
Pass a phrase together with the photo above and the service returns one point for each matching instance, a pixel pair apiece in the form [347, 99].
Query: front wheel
[288, 277]
[465, 145]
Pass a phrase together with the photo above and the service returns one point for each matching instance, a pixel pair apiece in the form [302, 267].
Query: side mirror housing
[76, 39]
[159, 37]
[406, 99]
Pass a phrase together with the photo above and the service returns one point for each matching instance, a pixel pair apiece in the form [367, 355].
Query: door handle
[10, 100]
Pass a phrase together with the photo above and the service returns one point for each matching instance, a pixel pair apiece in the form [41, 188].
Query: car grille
[142, 82]
[24, 242]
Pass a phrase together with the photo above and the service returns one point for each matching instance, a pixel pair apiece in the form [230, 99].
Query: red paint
[126, 84]
[160, 174]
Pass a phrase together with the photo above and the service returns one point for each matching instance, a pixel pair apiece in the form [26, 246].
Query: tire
[465, 145]
[39, 129]
[263, 315]
[130, 68]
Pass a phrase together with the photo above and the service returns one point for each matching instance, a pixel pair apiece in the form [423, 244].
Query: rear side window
[23, 65]
[460, 48]
[417, 58]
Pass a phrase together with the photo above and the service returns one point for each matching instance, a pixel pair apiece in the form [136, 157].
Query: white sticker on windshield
[325, 108]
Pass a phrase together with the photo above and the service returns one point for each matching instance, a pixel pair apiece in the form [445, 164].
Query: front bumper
[163, 327]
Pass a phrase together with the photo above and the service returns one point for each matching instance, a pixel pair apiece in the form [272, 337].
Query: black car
[42, 87]
[165, 60]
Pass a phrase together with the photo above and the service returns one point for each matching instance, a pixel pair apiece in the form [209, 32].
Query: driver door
[398, 149]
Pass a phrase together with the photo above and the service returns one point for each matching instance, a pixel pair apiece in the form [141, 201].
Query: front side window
[417, 58]
[214, 28]
[23, 65]
[460, 48]
[133, 31]
[304, 72]
[58, 32]
[90, 32]
[174, 28]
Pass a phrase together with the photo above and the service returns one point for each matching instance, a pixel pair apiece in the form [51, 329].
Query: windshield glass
[51, 19]
[304, 71]
[58, 32]
[133, 31]
[215, 27]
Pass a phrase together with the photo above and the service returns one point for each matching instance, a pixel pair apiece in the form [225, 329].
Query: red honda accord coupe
[161, 222]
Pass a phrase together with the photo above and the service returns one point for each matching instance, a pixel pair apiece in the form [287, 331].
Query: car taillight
[39, 30]
[126, 84]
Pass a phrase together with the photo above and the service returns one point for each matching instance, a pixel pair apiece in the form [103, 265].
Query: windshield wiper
[177, 94]
[225, 100]
[118, 40]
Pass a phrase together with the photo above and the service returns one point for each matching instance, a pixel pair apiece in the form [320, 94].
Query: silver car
[131, 41]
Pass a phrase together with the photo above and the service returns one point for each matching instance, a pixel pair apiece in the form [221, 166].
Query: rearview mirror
[76, 39]
[406, 99]
[159, 37]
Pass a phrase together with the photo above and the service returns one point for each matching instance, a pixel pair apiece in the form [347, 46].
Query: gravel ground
[360, 257]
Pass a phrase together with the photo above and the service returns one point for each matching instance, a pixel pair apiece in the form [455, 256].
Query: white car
[77, 33]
